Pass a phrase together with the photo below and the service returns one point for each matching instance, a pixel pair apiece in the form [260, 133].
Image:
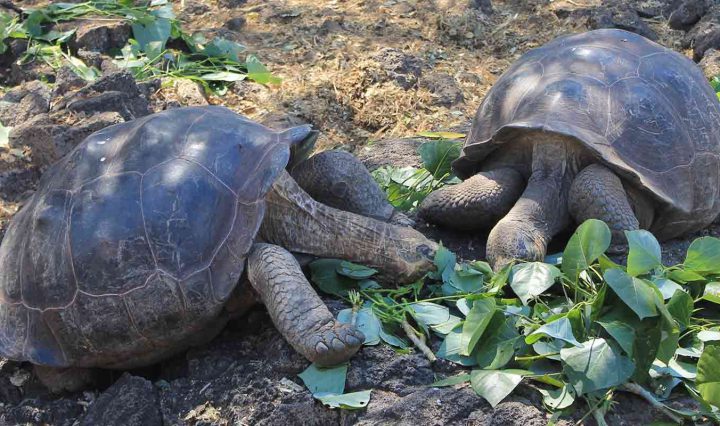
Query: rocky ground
[368, 74]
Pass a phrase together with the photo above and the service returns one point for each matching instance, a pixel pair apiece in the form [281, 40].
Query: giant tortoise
[605, 125]
[134, 245]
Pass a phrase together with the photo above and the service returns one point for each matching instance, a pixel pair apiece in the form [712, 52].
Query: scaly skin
[302, 225]
[338, 179]
[297, 311]
[597, 193]
[477, 203]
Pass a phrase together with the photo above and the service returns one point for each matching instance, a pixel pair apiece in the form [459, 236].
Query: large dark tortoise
[605, 125]
[134, 245]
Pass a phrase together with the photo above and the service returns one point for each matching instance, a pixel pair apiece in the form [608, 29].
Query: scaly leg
[297, 311]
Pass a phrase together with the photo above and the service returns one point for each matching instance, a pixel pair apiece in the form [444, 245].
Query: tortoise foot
[336, 343]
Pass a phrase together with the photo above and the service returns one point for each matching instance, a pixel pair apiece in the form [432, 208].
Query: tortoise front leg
[542, 210]
[338, 179]
[597, 193]
[477, 203]
[297, 311]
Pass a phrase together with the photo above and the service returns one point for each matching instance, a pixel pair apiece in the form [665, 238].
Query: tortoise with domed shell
[134, 245]
[605, 125]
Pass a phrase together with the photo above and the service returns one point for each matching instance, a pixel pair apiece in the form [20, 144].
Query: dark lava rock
[24, 102]
[91, 59]
[194, 8]
[232, 3]
[67, 80]
[687, 14]
[236, 24]
[444, 87]
[617, 14]
[42, 411]
[705, 34]
[710, 63]
[131, 401]
[98, 36]
[485, 6]
[116, 92]
[50, 141]
[403, 68]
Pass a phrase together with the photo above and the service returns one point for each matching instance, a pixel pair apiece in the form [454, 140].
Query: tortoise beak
[302, 142]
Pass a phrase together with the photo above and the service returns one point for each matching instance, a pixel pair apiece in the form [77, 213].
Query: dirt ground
[364, 72]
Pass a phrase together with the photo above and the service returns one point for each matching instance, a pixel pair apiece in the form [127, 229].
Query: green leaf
[447, 326]
[703, 256]
[223, 48]
[464, 305]
[392, 339]
[586, 245]
[558, 399]
[450, 349]
[596, 365]
[669, 331]
[223, 76]
[477, 320]
[712, 292]
[441, 135]
[621, 331]
[323, 272]
[466, 279]
[708, 374]
[366, 321]
[354, 271]
[498, 344]
[348, 401]
[451, 381]
[636, 293]
[4, 136]
[644, 254]
[495, 385]
[680, 307]
[430, 313]
[257, 72]
[157, 31]
[708, 335]
[437, 156]
[325, 380]
[667, 287]
[499, 280]
[685, 276]
[531, 279]
[558, 329]
[445, 261]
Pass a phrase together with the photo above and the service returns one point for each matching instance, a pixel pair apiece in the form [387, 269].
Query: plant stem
[649, 397]
[412, 335]
[535, 357]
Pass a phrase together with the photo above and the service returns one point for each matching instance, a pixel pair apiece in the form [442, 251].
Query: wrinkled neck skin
[300, 224]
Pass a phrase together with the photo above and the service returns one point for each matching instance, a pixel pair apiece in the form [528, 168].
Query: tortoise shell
[135, 240]
[645, 111]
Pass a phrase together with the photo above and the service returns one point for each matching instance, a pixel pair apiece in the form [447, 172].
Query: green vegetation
[581, 327]
[215, 63]
[715, 83]
[406, 187]
[578, 326]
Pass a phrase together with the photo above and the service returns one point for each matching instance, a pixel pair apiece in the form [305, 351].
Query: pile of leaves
[213, 63]
[406, 187]
[579, 327]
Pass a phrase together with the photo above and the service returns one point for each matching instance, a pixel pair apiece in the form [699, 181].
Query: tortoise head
[301, 140]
